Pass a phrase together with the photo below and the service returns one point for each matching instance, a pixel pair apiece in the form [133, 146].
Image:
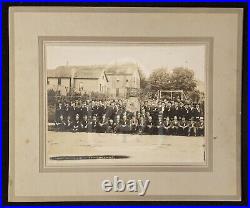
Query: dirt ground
[141, 149]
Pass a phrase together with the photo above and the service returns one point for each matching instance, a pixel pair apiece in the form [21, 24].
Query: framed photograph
[125, 104]
[119, 106]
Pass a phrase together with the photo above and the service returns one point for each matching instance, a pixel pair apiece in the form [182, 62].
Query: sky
[149, 57]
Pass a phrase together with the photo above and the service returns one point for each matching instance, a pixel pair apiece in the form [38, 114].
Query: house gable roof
[121, 69]
[84, 72]
[93, 71]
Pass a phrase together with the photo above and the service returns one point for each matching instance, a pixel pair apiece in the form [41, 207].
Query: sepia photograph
[125, 103]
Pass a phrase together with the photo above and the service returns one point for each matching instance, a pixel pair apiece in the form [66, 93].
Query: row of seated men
[124, 125]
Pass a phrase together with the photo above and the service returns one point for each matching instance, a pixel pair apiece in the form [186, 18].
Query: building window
[47, 81]
[117, 80]
[100, 87]
[127, 80]
[59, 81]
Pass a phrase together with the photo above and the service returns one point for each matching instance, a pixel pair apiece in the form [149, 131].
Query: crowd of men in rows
[165, 117]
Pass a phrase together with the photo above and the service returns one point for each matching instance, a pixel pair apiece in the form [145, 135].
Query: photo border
[140, 166]
[244, 90]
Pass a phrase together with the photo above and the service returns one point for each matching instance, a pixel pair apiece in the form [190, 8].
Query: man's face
[77, 117]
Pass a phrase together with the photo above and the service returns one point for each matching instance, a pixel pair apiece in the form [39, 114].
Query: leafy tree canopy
[178, 79]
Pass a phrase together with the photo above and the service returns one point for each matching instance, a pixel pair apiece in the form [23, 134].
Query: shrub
[51, 113]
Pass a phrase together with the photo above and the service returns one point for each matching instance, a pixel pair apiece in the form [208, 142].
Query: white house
[122, 77]
[114, 80]
[80, 78]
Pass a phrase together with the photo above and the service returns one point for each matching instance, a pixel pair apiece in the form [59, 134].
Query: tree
[179, 79]
[183, 79]
[160, 79]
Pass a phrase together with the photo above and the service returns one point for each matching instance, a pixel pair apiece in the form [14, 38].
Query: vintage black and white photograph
[125, 103]
[137, 104]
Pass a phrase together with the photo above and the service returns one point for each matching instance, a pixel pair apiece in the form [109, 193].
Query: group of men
[154, 117]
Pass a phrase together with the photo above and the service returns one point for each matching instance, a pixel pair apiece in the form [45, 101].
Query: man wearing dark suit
[159, 128]
[102, 124]
[192, 128]
[167, 126]
[125, 125]
[60, 124]
[142, 124]
[77, 124]
[149, 126]
[73, 111]
[84, 123]
[69, 123]
[134, 125]
[186, 112]
[154, 114]
[183, 127]
[101, 110]
[83, 110]
[110, 126]
[117, 124]
[175, 110]
[66, 111]
[110, 111]
[59, 111]
[175, 126]
[200, 127]
[94, 124]
[197, 112]
[167, 111]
